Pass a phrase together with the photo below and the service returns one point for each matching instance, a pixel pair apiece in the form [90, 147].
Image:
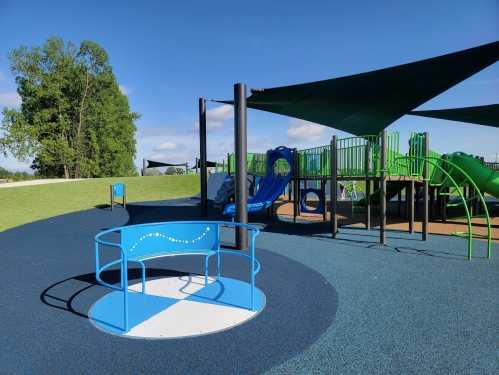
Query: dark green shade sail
[209, 164]
[366, 103]
[156, 164]
[483, 115]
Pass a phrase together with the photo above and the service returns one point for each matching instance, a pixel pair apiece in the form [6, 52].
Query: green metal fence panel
[314, 162]
[357, 153]
[357, 157]
[255, 163]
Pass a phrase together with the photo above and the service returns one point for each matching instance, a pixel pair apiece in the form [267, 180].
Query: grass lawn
[21, 205]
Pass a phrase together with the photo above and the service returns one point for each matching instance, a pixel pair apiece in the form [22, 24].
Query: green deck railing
[314, 162]
[357, 157]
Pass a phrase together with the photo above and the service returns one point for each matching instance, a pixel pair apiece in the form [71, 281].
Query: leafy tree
[15, 176]
[73, 121]
[170, 171]
[152, 172]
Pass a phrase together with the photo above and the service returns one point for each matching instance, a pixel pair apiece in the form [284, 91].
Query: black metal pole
[382, 190]
[334, 187]
[296, 182]
[144, 167]
[425, 188]
[323, 197]
[202, 157]
[410, 197]
[432, 211]
[367, 187]
[240, 143]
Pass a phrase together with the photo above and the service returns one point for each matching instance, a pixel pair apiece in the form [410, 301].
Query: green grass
[21, 205]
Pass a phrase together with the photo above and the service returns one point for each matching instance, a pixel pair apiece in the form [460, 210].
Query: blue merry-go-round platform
[331, 306]
[174, 307]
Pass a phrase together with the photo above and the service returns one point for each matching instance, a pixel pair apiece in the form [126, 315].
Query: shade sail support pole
[202, 157]
[382, 190]
[334, 186]
[240, 144]
[426, 183]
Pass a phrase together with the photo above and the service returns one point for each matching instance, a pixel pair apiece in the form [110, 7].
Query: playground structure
[364, 105]
[139, 243]
[387, 173]
[272, 182]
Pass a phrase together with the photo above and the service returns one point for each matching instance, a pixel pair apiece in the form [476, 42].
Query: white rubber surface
[186, 318]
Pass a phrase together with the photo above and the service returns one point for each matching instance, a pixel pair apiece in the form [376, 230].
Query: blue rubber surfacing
[344, 306]
[107, 312]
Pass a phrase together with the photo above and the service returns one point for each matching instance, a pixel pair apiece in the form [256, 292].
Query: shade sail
[155, 164]
[366, 103]
[209, 164]
[483, 115]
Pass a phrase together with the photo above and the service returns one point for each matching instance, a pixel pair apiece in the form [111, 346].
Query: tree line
[14, 176]
[73, 121]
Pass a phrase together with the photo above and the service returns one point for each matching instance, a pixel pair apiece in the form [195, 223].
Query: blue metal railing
[213, 248]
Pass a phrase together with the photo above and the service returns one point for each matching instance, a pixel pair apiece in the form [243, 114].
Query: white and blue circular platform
[176, 307]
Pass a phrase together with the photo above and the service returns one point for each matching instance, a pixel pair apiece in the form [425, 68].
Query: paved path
[37, 182]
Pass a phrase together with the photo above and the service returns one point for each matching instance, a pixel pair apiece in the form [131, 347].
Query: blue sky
[167, 54]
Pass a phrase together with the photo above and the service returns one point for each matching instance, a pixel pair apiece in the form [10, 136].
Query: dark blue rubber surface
[48, 287]
[333, 306]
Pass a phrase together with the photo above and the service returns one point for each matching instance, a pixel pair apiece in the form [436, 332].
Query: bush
[170, 171]
[152, 172]
[15, 176]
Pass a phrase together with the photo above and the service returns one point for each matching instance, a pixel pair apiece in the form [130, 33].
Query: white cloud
[10, 99]
[301, 130]
[166, 146]
[125, 90]
[167, 143]
[216, 117]
[222, 113]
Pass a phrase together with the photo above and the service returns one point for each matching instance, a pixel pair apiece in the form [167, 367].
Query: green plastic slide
[485, 178]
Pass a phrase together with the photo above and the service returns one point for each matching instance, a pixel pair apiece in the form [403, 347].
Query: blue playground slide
[271, 186]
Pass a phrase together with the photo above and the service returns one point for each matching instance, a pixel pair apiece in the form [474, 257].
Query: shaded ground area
[334, 306]
[456, 222]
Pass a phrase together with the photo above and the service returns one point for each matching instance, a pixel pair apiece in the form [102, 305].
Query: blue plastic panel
[118, 189]
[271, 186]
[320, 206]
[147, 240]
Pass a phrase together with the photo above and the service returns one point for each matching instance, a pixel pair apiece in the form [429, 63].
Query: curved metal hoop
[434, 161]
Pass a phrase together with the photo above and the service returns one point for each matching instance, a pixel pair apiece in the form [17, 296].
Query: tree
[73, 120]
[170, 171]
[152, 172]
[179, 170]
